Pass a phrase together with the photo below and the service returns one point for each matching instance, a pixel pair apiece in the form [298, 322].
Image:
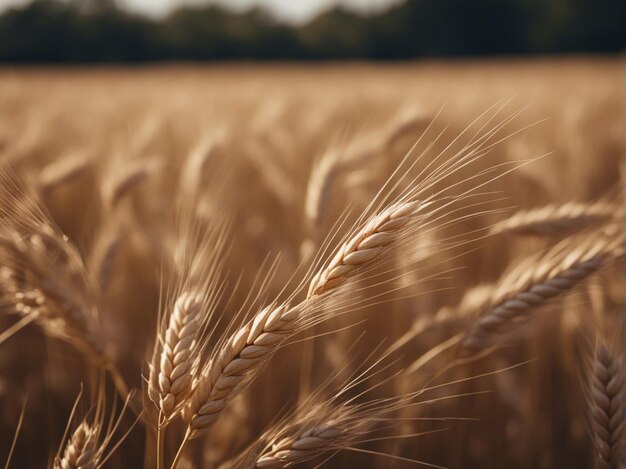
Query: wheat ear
[607, 409]
[182, 333]
[557, 220]
[44, 276]
[81, 450]
[322, 425]
[322, 429]
[105, 254]
[365, 247]
[172, 370]
[47, 281]
[91, 443]
[241, 356]
[540, 279]
[237, 364]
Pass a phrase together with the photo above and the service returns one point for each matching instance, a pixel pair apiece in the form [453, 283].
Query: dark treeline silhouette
[100, 31]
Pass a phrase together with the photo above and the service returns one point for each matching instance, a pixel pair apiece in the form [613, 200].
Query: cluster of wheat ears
[392, 304]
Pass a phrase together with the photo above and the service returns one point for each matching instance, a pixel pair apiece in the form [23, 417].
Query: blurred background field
[138, 124]
[266, 128]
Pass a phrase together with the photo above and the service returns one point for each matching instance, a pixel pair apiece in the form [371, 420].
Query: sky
[293, 11]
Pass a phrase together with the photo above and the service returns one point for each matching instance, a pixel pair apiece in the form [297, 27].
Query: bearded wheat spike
[47, 280]
[81, 451]
[320, 426]
[87, 447]
[182, 334]
[310, 441]
[239, 360]
[172, 371]
[606, 408]
[237, 364]
[557, 220]
[316, 428]
[366, 246]
[535, 282]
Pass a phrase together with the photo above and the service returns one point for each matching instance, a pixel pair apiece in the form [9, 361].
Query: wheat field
[347, 265]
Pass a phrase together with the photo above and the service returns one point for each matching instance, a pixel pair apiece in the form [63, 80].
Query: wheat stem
[160, 442]
[181, 450]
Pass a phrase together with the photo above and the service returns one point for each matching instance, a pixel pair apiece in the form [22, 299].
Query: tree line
[79, 31]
